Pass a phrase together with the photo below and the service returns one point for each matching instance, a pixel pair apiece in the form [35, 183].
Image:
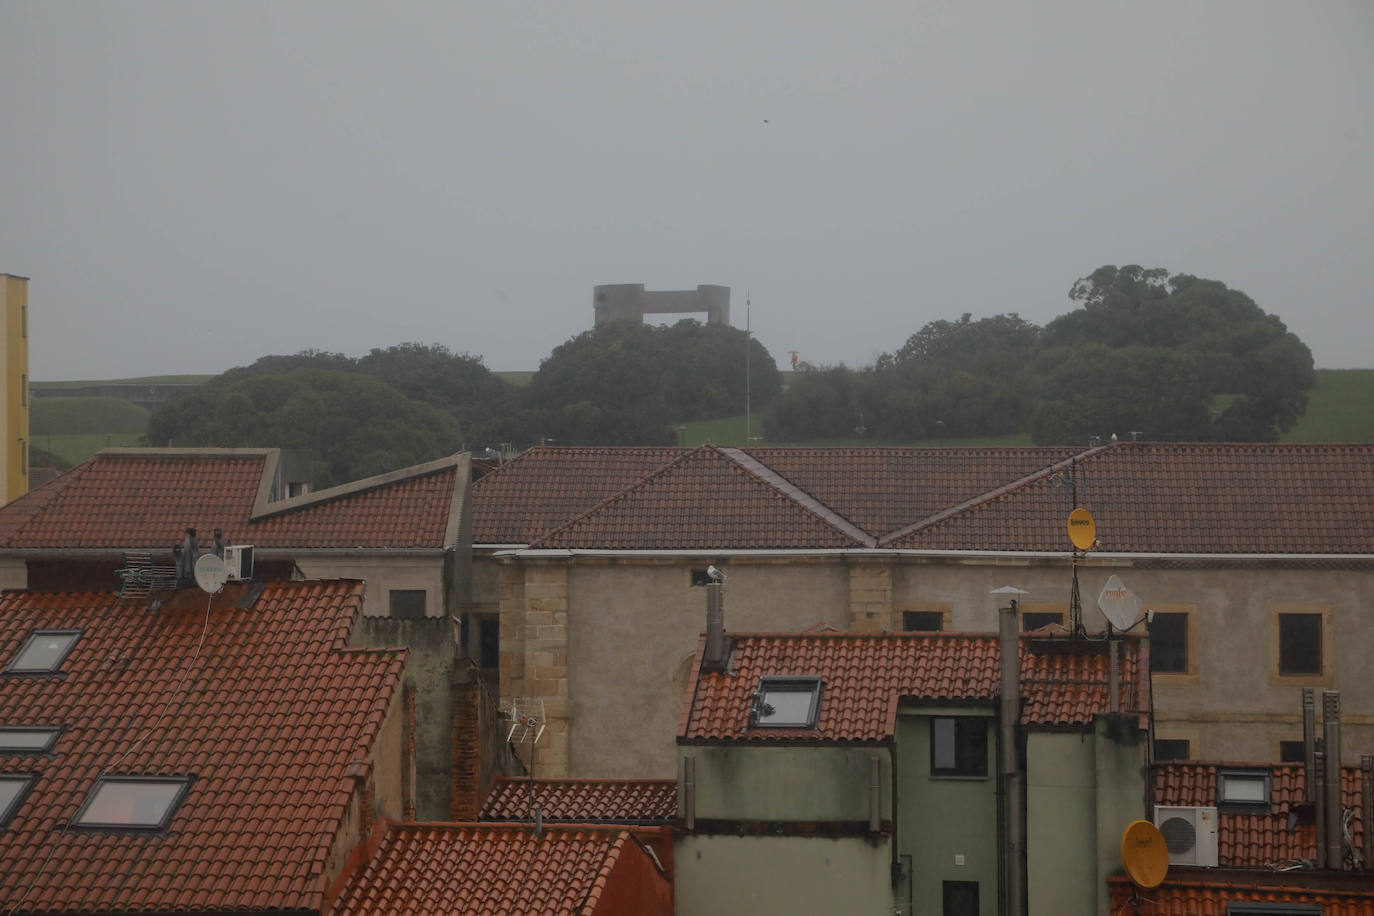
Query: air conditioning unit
[238, 560]
[1189, 833]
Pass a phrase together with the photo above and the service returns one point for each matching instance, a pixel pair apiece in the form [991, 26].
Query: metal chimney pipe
[1009, 643]
[1367, 806]
[1319, 806]
[714, 660]
[1309, 743]
[1331, 728]
[875, 795]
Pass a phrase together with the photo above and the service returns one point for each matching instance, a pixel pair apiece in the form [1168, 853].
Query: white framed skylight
[132, 802]
[787, 702]
[23, 739]
[1247, 788]
[13, 788]
[43, 652]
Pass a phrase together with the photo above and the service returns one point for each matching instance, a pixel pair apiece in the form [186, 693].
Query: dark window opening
[489, 641]
[960, 898]
[959, 747]
[1034, 620]
[923, 621]
[1300, 644]
[1292, 752]
[1169, 643]
[1172, 749]
[408, 602]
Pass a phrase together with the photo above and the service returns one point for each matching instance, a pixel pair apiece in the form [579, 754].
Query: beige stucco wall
[715, 875]
[14, 573]
[383, 574]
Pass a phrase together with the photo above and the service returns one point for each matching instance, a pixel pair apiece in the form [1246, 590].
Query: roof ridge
[798, 495]
[993, 494]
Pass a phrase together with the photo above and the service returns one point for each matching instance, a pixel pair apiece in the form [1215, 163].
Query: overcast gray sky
[193, 185]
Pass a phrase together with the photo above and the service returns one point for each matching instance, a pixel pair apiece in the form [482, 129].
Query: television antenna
[1082, 535]
[527, 721]
[211, 574]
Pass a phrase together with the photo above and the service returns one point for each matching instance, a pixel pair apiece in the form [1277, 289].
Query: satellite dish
[1118, 604]
[211, 573]
[1144, 854]
[1082, 528]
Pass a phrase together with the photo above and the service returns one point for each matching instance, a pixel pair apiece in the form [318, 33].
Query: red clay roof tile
[1064, 683]
[619, 801]
[220, 693]
[1194, 892]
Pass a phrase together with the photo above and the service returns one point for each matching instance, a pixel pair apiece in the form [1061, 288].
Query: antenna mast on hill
[748, 339]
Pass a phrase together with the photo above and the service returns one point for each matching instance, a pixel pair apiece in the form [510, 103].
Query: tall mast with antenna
[748, 339]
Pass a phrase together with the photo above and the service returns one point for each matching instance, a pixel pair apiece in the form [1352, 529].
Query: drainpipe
[1009, 644]
[1309, 744]
[1331, 726]
[1367, 803]
[1319, 806]
[689, 792]
[875, 795]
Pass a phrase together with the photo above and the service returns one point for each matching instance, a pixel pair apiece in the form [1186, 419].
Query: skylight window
[1243, 788]
[132, 802]
[22, 740]
[13, 788]
[43, 652]
[786, 702]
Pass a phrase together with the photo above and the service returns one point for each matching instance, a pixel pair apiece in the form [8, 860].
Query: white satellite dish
[1119, 604]
[211, 573]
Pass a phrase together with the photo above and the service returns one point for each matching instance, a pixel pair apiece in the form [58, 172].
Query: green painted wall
[1121, 796]
[787, 876]
[1061, 813]
[940, 819]
[785, 783]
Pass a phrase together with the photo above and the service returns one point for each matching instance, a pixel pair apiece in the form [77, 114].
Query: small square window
[1035, 620]
[408, 602]
[132, 802]
[1169, 643]
[959, 898]
[923, 621]
[1248, 789]
[1300, 643]
[959, 747]
[18, 739]
[1292, 752]
[786, 702]
[13, 788]
[43, 652]
[1171, 748]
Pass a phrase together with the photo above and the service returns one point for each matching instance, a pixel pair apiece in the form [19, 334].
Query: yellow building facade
[14, 385]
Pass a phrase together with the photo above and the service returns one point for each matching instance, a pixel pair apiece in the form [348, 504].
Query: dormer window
[132, 802]
[786, 702]
[43, 652]
[19, 739]
[1243, 789]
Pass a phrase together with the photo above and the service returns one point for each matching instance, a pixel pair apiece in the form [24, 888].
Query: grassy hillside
[69, 416]
[1341, 409]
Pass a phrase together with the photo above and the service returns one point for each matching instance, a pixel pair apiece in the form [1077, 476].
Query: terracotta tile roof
[703, 499]
[266, 714]
[1261, 840]
[1184, 498]
[619, 801]
[132, 499]
[884, 489]
[485, 869]
[1208, 894]
[546, 487]
[1063, 682]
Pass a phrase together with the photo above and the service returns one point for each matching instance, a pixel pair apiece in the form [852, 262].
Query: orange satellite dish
[1082, 528]
[1144, 854]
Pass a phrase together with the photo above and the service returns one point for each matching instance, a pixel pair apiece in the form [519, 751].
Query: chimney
[716, 650]
[1319, 789]
[186, 560]
[1309, 744]
[1013, 785]
[1331, 727]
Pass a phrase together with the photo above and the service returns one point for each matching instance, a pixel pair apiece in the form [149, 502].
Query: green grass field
[90, 416]
[1340, 409]
[143, 380]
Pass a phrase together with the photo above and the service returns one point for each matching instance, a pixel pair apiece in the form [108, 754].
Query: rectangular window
[960, 898]
[1171, 748]
[1245, 789]
[489, 641]
[1273, 909]
[923, 621]
[43, 652]
[18, 739]
[1034, 620]
[787, 702]
[1292, 752]
[132, 802]
[13, 788]
[1300, 644]
[408, 602]
[1169, 643]
[959, 747]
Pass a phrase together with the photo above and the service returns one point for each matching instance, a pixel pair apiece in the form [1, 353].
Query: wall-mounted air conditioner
[238, 560]
[1190, 833]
